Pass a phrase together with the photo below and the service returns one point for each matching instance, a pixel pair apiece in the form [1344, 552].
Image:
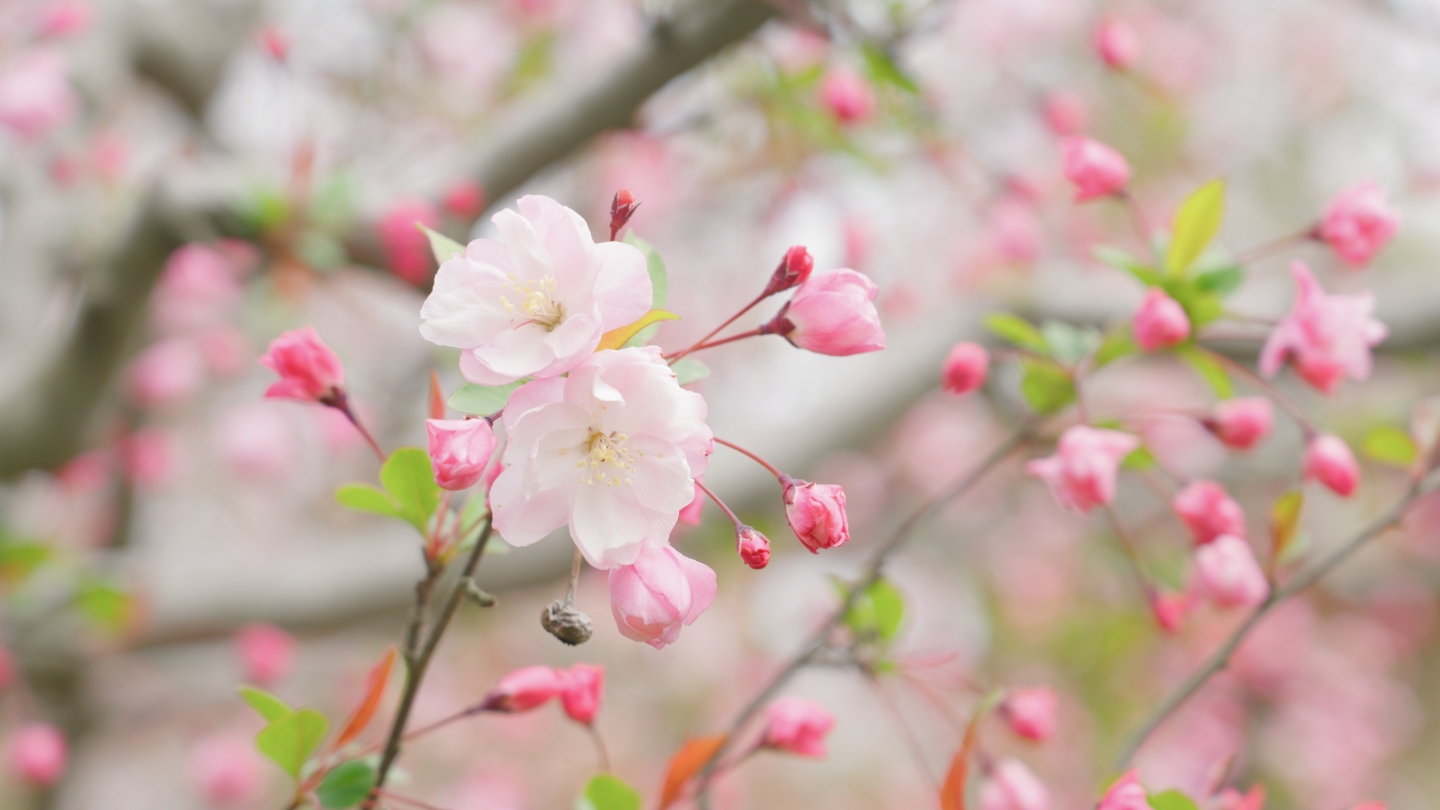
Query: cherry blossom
[798, 726]
[1358, 223]
[833, 313]
[1083, 470]
[658, 594]
[1325, 337]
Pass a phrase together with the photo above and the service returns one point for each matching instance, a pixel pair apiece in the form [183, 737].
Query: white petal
[608, 525]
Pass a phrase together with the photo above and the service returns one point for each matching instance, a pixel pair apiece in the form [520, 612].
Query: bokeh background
[152, 504]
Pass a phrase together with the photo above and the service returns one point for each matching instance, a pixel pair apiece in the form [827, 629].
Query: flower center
[609, 462]
[537, 302]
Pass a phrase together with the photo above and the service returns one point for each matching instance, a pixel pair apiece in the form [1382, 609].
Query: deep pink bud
[1328, 460]
[65, 18]
[1160, 322]
[1170, 610]
[832, 313]
[38, 754]
[226, 770]
[1093, 168]
[465, 198]
[1126, 793]
[622, 208]
[1012, 786]
[406, 247]
[1209, 511]
[965, 368]
[1066, 113]
[793, 271]
[816, 513]
[1358, 223]
[754, 547]
[1117, 43]
[523, 690]
[308, 369]
[798, 726]
[847, 95]
[1241, 423]
[1229, 574]
[581, 687]
[1030, 713]
[1082, 473]
[659, 593]
[459, 450]
[266, 652]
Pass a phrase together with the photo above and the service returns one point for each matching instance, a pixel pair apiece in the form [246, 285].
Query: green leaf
[1046, 386]
[20, 559]
[1284, 521]
[883, 70]
[289, 741]
[659, 279]
[104, 604]
[1390, 446]
[482, 400]
[1016, 330]
[1209, 368]
[1121, 260]
[366, 498]
[346, 785]
[620, 338]
[606, 792]
[270, 707]
[1200, 307]
[688, 370]
[408, 477]
[1119, 343]
[1221, 281]
[877, 612]
[1196, 223]
[1172, 800]
[1067, 343]
[441, 245]
[1139, 459]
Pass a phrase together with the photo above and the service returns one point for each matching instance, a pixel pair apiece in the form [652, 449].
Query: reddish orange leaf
[437, 397]
[374, 691]
[952, 790]
[686, 763]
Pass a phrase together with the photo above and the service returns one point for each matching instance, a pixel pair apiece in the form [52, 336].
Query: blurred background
[182, 180]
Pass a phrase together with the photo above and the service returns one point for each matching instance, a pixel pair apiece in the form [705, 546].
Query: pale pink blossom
[1208, 511]
[1117, 43]
[1066, 112]
[266, 652]
[965, 368]
[225, 349]
[226, 770]
[1093, 168]
[1358, 223]
[524, 689]
[816, 513]
[406, 247]
[1160, 322]
[198, 289]
[459, 450]
[692, 514]
[1012, 786]
[1329, 460]
[611, 451]
[275, 41]
[1229, 574]
[847, 95]
[798, 726]
[659, 593]
[832, 313]
[1242, 422]
[1015, 230]
[1325, 337]
[148, 456]
[256, 440]
[35, 96]
[1086, 463]
[581, 688]
[1253, 799]
[536, 301]
[754, 547]
[1125, 793]
[166, 374]
[65, 18]
[1030, 713]
[38, 754]
[465, 198]
[308, 369]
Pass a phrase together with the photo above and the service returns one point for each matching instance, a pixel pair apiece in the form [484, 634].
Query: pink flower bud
[226, 771]
[266, 652]
[1117, 43]
[38, 754]
[622, 208]
[523, 690]
[965, 368]
[1209, 511]
[1170, 610]
[308, 369]
[1253, 799]
[1030, 713]
[1012, 786]
[581, 688]
[794, 269]
[1086, 463]
[459, 450]
[847, 95]
[35, 95]
[406, 248]
[754, 547]
[663, 590]
[798, 726]
[1066, 113]
[1160, 322]
[1241, 423]
[465, 198]
[166, 374]
[816, 513]
[1093, 168]
[275, 42]
[832, 313]
[1326, 337]
[1328, 460]
[65, 18]
[1229, 574]
[7, 668]
[147, 456]
[1126, 793]
[1358, 223]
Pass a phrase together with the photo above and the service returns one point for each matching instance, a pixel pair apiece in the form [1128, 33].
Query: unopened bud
[566, 622]
[621, 209]
[792, 272]
[754, 547]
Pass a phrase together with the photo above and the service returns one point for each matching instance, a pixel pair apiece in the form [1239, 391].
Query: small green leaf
[1208, 368]
[441, 245]
[289, 741]
[1172, 800]
[366, 498]
[1016, 330]
[104, 604]
[408, 477]
[1221, 281]
[606, 792]
[346, 785]
[482, 400]
[1139, 459]
[270, 707]
[20, 559]
[1119, 343]
[877, 612]
[883, 70]
[1121, 260]
[1196, 223]
[688, 370]
[1390, 446]
[1284, 521]
[1200, 307]
[1046, 386]
[659, 278]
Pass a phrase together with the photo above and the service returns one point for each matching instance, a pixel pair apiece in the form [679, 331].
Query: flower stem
[1267, 249]
[700, 344]
[1269, 389]
[720, 503]
[697, 347]
[600, 749]
[758, 460]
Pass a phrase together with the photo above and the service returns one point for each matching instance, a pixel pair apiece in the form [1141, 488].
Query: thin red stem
[600, 749]
[1266, 249]
[697, 347]
[720, 503]
[700, 344]
[349, 414]
[1128, 544]
[758, 460]
[1269, 389]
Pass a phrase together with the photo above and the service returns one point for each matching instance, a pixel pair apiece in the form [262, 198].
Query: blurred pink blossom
[1325, 337]
[1093, 168]
[1328, 459]
[406, 248]
[581, 688]
[199, 289]
[1083, 470]
[148, 456]
[1209, 511]
[1126, 793]
[1242, 422]
[65, 18]
[1066, 112]
[266, 653]
[661, 591]
[965, 368]
[1030, 713]
[847, 95]
[1160, 322]
[226, 770]
[166, 374]
[1358, 223]
[1117, 43]
[798, 726]
[1229, 574]
[1012, 786]
[35, 96]
[38, 754]
[256, 440]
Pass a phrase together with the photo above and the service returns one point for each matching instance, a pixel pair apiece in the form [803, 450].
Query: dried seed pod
[566, 622]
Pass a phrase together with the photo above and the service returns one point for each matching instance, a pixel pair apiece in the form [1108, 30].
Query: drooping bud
[847, 95]
[1082, 474]
[566, 622]
[1030, 713]
[1117, 43]
[581, 687]
[1209, 511]
[662, 591]
[308, 369]
[1160, 322]
[1229, 574]
[798, 726]
[832, 313]
[1169, 610]
[816, 513]
[523, 690]
[1241, 423]
[965, 368]
[621, 209]
[1329, 460]
[754, 547]
[794, 269]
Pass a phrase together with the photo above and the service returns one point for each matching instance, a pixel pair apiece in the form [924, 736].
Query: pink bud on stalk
[659, 593]
[793, 271]
[581, 688]
[1160, 322]
[226, 770]
[523, 690]
[965, 368]
[1229, 574]
[798, 726]
[459, 450]
[832, 313]
[1169, 610]
[1082, 473]
[266, 652]
[1117, 43]
[1328, 460]
[1208, 511]
[753, 546]
[847, 95]
[1012, 786]
[308, 369]
[1093, 168]
[38, 754]
[1358, 223]
[1126, 793]
[1241, 423]
[1030, 713]
[816, 513]
[621, 209]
